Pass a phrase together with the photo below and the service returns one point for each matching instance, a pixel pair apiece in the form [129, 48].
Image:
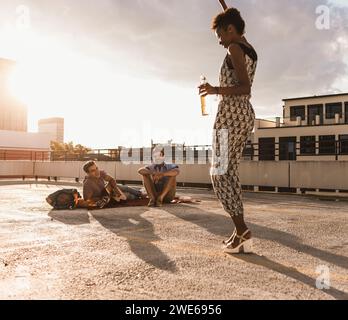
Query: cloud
[171, 41]
[295, 57]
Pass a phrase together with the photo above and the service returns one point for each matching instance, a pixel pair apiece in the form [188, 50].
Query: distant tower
[13, 113]
[55, 126]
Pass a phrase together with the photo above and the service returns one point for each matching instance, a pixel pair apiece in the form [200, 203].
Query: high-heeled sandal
[226, 242]
[244, 246]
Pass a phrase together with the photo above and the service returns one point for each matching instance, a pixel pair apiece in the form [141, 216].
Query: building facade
[13, 113]
[15, 142]
[53, 126]
[312, 128]
[15, 145]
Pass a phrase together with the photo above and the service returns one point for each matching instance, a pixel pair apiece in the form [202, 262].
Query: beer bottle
[203, 99]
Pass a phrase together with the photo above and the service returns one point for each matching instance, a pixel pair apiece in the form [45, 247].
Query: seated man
[160, 180]
[98, 186]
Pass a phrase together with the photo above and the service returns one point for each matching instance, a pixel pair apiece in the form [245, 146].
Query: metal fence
[199, 154]
[25, 155]
[292, 150]
[305, 120]
[265, 151]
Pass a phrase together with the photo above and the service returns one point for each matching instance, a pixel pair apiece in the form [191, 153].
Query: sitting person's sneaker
[117, 195]
[143, 196]
[103, 202]
[159, 203]
[151, 203]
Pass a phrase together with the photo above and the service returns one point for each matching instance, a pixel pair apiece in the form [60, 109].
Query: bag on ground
[65, 199]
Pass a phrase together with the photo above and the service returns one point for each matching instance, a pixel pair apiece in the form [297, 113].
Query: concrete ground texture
[172, 252]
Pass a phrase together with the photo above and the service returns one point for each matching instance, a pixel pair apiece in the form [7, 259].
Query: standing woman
[236, 117]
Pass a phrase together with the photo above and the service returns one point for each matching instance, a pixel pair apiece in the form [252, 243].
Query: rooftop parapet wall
[285, 174]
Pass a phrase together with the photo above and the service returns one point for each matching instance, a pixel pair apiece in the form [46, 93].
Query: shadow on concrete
[74, 218]
[293, 242]
[289, 272]
[223, 226]
[138, 232]
[214, 223]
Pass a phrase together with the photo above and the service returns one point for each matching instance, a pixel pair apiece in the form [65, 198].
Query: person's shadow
[74, 218]
[221, 225]
[289, 272]
[139, 234]
[138, 231]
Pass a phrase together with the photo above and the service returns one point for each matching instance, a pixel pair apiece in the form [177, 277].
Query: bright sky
[125, 72]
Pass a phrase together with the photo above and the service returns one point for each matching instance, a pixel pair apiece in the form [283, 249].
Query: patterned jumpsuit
[233, 125]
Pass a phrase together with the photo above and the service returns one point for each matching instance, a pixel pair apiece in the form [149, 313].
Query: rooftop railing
[265, 151]
[300, 121]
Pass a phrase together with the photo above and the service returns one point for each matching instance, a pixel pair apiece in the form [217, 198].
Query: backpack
[65, 199]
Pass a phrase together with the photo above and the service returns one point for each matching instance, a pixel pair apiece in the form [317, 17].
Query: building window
[298, 111]
[287, 148]
[327, 145]
[266, 149]
[314, 111]
[346, 111]
[248, 153]
[307, 145]
[332, 109]
[344, 144]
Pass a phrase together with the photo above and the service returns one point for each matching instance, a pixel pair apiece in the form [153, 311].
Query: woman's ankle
[241, 230]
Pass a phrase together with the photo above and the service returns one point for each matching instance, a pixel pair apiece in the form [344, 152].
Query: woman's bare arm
[237, 57]
[223, 4]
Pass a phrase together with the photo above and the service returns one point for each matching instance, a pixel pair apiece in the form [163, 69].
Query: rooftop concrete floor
[169, 253]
